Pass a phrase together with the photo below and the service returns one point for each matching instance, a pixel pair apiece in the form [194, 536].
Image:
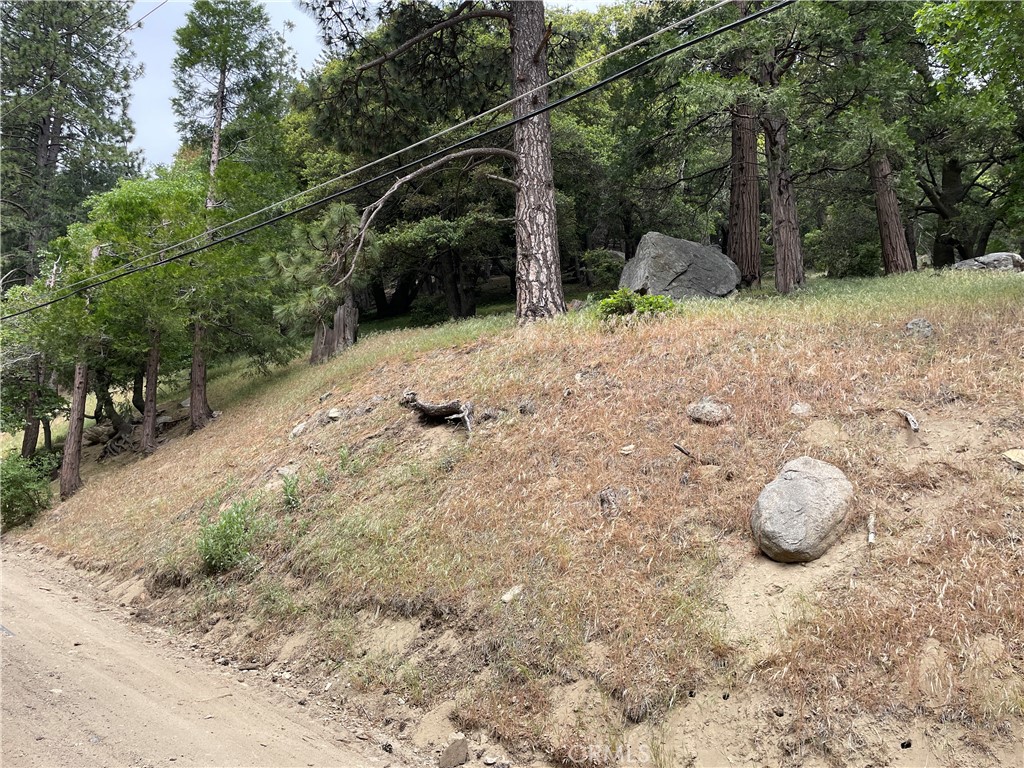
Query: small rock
[920, 328]
[801, 513]
[527, 408]
[512, 594]
[335, 414]
[222, 661]
[800, 409]
[288, 470]
[299, 429]
[325, 395]
[490, 760]
[709, 411]
[455, 754]
[627, 450]
[1015, 456]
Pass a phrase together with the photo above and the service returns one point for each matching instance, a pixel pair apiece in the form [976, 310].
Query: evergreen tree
[230, 66]
[65, 129]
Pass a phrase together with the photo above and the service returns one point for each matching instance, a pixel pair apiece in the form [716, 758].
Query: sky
[150, 107]
[154, 47]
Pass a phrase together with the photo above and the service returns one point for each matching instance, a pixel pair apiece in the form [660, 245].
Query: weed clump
[229, 540]
[626, 301]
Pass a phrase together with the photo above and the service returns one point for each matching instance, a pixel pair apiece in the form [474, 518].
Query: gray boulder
[679, 268]
[802, 512]
[1004, 260]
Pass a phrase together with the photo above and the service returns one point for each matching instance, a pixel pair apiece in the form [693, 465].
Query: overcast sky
[154, 48]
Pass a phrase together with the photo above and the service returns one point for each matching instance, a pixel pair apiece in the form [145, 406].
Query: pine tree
[65, 128]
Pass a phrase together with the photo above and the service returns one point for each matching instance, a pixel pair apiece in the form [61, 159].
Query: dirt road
[82, 688]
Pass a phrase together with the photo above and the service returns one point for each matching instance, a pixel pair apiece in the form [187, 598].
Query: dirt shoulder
[80, 686]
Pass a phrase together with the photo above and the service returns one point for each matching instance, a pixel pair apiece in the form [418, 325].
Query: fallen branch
[453, 410]
[911, 421]
[699, 459]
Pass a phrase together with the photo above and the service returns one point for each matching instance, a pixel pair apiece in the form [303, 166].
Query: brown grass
[407, 520]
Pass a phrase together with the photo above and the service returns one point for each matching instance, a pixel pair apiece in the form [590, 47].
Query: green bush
[625, 301]
[291, 492]
[24, 489]
[604, 268]
[228, 541]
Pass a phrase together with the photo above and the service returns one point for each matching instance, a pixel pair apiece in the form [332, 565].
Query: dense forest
[417, 166]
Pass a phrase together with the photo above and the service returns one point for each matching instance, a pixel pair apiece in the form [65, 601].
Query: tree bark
[789, 261]
[538, 270]
[139, 391]
[70, 466]
[218, 123]
[30, 438]
[458, 292]
[47, 436]
[149, 412]
[744, 237]
[895, 251]
[104, 402]
[199, 410]
[329, 340]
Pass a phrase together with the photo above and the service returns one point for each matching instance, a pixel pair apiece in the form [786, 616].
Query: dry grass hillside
[443, 581]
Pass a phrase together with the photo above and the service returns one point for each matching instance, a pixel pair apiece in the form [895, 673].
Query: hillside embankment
[563, 585]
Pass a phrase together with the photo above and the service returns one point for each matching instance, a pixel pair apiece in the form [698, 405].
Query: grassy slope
[411, 521]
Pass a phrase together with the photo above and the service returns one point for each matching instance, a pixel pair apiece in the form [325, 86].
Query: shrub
[24, 489]
[227, 542]
[625, 301]
[604, 268]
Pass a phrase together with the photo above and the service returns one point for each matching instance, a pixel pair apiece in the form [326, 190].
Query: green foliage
[847, 243]
[604, 268]
[229, 540]
[291, 492]
[24, 488]
[64, 137]
[227, 42]
[626, 301]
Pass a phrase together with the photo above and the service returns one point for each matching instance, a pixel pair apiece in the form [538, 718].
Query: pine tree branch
[415, 40]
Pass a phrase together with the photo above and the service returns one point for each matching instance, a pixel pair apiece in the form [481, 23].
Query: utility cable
[431, 156]
[127, 266]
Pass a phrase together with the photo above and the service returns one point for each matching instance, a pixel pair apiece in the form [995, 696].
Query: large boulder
[802, 512]
[1004, 260]
[679, 268]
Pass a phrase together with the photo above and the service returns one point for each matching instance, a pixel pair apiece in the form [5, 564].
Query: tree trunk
[149, 411]
[538, 269]
[744, 238]
[30, 439]
[70, 477]
[895, 251]
[47, 436]
[789, 261]
[947, 242]
[138, 391]
[199, 410]
[328, 341]
[218, 123]
[105, 403]
[458, 293]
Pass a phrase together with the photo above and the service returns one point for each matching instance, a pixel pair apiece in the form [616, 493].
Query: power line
[431, 156]
[127, 267]
[59, 77]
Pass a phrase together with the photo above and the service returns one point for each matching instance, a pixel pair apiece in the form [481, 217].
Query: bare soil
[85, 686]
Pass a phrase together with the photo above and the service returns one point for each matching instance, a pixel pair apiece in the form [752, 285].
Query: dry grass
[406, 520]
